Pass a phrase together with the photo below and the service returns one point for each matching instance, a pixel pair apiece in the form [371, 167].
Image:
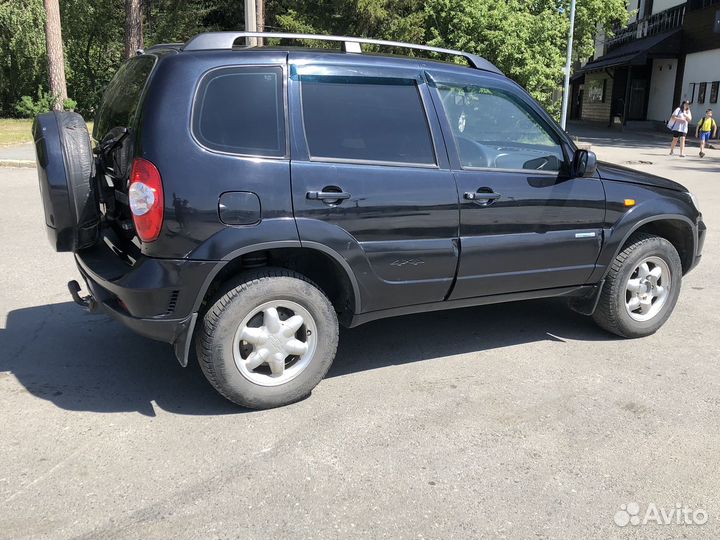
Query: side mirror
[584, 163]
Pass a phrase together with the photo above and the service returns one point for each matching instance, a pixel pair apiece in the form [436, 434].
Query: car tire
[242, 342]
[66, 171]
[634, 301]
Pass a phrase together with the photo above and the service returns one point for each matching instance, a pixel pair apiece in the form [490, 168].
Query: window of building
[714, 91]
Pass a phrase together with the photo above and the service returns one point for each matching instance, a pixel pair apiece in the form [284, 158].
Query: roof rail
[226, 40]
[158, 46]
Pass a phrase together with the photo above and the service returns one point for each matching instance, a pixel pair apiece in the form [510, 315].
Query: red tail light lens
[146, 199]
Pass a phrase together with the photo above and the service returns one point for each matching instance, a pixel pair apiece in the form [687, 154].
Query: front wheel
[641, 288]
[268, 340]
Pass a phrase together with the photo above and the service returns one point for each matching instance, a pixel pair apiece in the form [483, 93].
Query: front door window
[492, 129]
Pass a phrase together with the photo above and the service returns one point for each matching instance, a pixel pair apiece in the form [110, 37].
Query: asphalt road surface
[516, 420]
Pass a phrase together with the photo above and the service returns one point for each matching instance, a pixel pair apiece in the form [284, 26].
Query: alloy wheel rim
[275, 342]
[647, 289]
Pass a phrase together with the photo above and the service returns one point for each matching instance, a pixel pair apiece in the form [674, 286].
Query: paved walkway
[17, 155]
[648, 151]
[604, 136]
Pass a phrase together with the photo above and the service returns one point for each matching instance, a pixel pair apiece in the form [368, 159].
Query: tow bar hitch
[87, 302]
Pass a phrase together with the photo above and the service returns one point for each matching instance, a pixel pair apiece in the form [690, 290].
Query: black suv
[250, 198]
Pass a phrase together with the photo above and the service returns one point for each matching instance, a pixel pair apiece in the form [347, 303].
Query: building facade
[669, 51]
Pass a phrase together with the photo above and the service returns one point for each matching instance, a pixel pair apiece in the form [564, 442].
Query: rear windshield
[122, 97]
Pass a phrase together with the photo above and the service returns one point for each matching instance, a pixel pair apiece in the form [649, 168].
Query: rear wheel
[641, 288]
[268, 339]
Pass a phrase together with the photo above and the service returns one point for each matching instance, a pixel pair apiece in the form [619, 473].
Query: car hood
[618, 173]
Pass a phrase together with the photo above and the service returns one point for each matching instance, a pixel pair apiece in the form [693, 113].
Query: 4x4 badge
[403, 262]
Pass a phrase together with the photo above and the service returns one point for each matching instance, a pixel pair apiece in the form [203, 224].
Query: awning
[637, 52]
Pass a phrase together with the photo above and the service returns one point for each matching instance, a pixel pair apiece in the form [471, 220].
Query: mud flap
[586, 305]
[183, 339]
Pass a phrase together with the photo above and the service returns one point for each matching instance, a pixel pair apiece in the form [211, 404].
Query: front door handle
[327, 195]
[481, 197]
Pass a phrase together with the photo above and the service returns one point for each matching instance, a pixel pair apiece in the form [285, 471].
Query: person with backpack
[706, 130]
[678, 124]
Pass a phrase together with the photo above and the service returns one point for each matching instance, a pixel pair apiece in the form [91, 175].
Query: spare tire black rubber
[66, 172]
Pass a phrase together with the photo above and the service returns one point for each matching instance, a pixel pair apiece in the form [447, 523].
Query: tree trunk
[260, 10]
[133, 27]
[56, 58]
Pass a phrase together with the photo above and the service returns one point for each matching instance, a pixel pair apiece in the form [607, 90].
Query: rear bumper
[153, 297]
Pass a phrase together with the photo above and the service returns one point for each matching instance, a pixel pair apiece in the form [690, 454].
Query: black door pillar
[626, 104]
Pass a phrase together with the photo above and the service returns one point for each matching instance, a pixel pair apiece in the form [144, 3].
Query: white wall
[662, 5]
[662, 86]
[599, 42]
[701, 67]
[633, 6]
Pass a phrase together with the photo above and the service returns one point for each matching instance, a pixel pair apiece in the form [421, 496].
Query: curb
[23, 163]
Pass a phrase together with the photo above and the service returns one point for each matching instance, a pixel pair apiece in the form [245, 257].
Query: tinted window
[492, 128]
[366, 119]
[122, 96]
[241, 110]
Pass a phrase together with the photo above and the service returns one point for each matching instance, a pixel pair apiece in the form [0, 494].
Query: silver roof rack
[158, 46]
[226, 40]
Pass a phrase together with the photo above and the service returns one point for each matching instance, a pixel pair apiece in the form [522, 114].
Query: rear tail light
[146, 199]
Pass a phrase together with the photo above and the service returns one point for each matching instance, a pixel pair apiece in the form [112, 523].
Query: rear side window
[241, 110]
[122, 97]
[366, 119]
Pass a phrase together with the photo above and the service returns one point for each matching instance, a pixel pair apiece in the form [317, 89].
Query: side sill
[578, 290]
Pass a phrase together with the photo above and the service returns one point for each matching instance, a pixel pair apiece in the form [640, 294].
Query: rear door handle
[327, 195]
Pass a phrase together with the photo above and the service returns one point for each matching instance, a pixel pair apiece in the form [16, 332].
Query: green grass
[14, 131]
[19, 130]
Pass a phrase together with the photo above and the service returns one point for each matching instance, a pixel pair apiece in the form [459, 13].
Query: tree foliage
[23, 62]
[525, 38]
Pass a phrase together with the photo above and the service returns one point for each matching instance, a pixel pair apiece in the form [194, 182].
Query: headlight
[694, 200]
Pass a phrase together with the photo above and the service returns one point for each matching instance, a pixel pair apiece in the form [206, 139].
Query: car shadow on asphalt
[84, 362]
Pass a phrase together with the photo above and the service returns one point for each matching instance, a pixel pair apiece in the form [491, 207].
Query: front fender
[652, 205]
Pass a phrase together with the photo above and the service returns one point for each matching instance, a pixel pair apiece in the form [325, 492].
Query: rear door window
[241, 110]
[365, 119]
[121, 100]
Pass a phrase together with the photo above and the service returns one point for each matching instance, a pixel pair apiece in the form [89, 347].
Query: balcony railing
[650, 26]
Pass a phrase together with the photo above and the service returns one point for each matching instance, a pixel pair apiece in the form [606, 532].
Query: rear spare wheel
[66, 170]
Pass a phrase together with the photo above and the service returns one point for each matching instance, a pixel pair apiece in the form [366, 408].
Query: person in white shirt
[678, 124]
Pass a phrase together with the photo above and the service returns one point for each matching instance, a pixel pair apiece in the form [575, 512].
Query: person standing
[706, 130]
[678, 124]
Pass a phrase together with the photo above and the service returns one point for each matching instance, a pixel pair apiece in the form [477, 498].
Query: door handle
[327, 195]
[481, 197]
